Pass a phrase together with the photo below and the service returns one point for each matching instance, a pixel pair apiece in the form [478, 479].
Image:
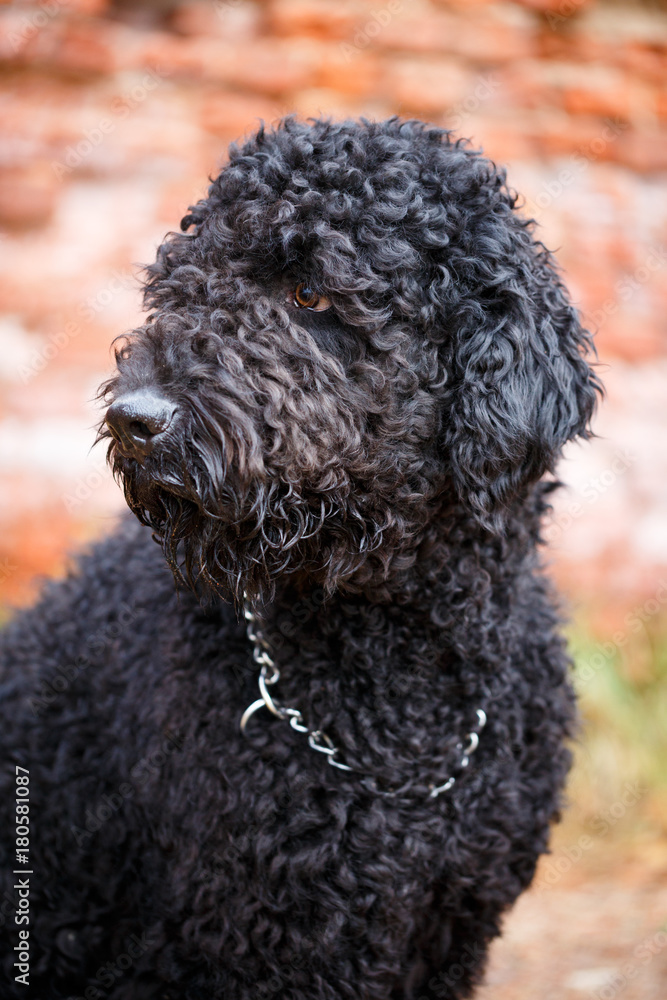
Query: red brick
[504, 138]
[237, 21]
[644, 151]
[16, 30]
[432, 31]
[318, 101]
[559, 134]
[570, 45]
[601, 102]
[522, 84]
[660, 98]
[274, 66]
[603, 91]
[28, 195]
[39, 544]
[86, 48]
[91, 7]
[324, 19]
[427, 86]
[175, 198]
[230, 115]
[610, 93]
[489, 38]
[349, 71]
[560, 8]
[630, 339]
[463, 4]
[178, 57]
[265, 66]
[644, 60]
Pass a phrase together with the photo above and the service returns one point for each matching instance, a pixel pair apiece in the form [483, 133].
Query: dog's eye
[306, 298]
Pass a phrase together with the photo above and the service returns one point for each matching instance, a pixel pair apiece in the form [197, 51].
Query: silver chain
[269, 674]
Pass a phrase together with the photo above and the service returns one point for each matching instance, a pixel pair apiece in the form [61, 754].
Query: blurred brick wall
[112, 118]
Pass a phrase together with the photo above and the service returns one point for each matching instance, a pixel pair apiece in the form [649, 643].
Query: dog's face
[354, 333]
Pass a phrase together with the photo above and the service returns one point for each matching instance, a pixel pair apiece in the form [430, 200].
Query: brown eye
[306, 298]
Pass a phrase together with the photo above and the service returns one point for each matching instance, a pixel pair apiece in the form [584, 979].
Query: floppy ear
[521, 388]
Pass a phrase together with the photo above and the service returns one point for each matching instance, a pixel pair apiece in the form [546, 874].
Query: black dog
[357, 367]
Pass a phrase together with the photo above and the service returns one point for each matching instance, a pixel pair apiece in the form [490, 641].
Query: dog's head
[354, 334]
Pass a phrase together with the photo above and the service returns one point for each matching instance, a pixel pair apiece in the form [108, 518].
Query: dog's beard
[227, 536]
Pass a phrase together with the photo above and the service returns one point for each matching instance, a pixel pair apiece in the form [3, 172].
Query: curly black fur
[372, 477]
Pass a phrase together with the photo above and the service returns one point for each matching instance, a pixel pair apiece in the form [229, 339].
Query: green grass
[623, 741]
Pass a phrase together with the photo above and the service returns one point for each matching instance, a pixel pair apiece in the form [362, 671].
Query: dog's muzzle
[138, 420]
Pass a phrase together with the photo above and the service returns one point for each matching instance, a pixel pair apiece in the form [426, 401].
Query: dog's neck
[454, 567]
[413, 787]
[355, 662]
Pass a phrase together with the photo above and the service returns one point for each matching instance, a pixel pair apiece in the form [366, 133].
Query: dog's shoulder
[103, 629]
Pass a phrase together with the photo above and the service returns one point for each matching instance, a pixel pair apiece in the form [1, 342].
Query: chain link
[269, 674]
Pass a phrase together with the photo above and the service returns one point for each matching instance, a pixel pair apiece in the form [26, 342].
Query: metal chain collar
[269, 674]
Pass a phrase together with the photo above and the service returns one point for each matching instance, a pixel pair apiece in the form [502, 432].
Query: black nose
[137, 420]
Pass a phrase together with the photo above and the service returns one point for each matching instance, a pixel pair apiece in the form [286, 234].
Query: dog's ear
[521, 385]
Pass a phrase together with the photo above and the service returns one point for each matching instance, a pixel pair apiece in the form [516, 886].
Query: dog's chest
[262, 817]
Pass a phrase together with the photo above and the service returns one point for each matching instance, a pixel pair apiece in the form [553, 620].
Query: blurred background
[112, 117]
